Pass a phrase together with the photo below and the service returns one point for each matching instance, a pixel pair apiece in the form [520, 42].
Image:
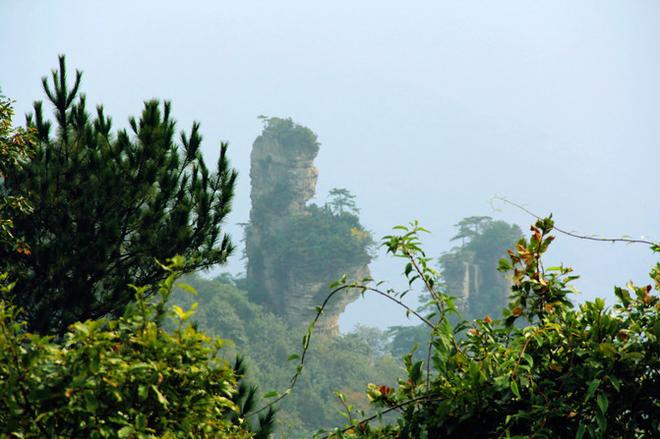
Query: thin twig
[310, 329]
[376, 415]
[572, 234]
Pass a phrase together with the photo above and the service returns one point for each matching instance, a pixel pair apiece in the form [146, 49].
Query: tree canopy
[344, 363]
[107, 205]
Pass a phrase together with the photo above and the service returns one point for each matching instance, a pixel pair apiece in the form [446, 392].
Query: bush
[120, 377]
[544, 370]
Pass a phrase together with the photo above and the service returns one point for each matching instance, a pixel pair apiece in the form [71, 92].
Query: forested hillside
[345, 363]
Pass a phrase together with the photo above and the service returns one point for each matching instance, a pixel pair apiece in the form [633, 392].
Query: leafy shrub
[16, 146]
[544, 370]
[120, 377]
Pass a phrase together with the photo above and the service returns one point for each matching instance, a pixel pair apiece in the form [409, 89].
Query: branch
[390, 409]
[572, 234]
[308, 336]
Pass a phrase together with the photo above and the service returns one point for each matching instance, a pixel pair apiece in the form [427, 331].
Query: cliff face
[288, 267]
[480, 289]
[470, 271]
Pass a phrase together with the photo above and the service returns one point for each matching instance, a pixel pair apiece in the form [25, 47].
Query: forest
[109, 326]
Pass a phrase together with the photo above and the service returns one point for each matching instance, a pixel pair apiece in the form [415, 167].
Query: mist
[425, 111]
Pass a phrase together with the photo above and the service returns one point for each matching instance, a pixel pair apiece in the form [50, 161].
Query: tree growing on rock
[342, 200]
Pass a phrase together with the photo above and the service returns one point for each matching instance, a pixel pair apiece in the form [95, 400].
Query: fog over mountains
[425, 111]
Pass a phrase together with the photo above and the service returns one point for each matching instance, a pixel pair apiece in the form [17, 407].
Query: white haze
[425, 110]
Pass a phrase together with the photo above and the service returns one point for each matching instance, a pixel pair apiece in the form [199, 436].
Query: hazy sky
[425, 110]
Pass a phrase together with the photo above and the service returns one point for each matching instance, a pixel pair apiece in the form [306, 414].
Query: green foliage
[105, 205]
[484, 243]
[471, 227]
[320, 244]
[344, 363]
[404, 337]
[120, 377]
[586, 372]
[342, 200]
[300, 139]
[15, 147]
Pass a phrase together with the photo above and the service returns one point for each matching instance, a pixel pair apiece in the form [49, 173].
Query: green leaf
[125, 432]
[607, 349]
[140, 422]
[271, 394]
[161, 398]
[602, 422]
[143, 392]
[615, 383]
[293, 357]
[187, 288]
[591, 389]
[179, 311]
[514, 388]
[602, 402]
[415, 372]
[635, 356]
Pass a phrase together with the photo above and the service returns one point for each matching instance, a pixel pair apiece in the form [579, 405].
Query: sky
[424, 110]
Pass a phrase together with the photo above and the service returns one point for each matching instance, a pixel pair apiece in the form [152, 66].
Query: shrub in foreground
[121, 377]
[544, 370]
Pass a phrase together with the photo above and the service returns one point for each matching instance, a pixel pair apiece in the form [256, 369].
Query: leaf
[607, 349]
[161, 398]
[187, 288]
[125, 432]
[415, 372]
[635, 356]
[615, 383]
[514, 388]
[591, 389]
[602, 402]
[142, 391]
[293, 357]
[602, 422]
[180, 313]
[271, 394]
[140, 422]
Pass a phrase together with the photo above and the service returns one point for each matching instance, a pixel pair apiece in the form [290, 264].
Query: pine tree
[342, 200]
[107, 207]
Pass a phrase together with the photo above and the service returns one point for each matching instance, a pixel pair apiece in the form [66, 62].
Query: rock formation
[480, 289]
[470, 271]
[287, 242]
